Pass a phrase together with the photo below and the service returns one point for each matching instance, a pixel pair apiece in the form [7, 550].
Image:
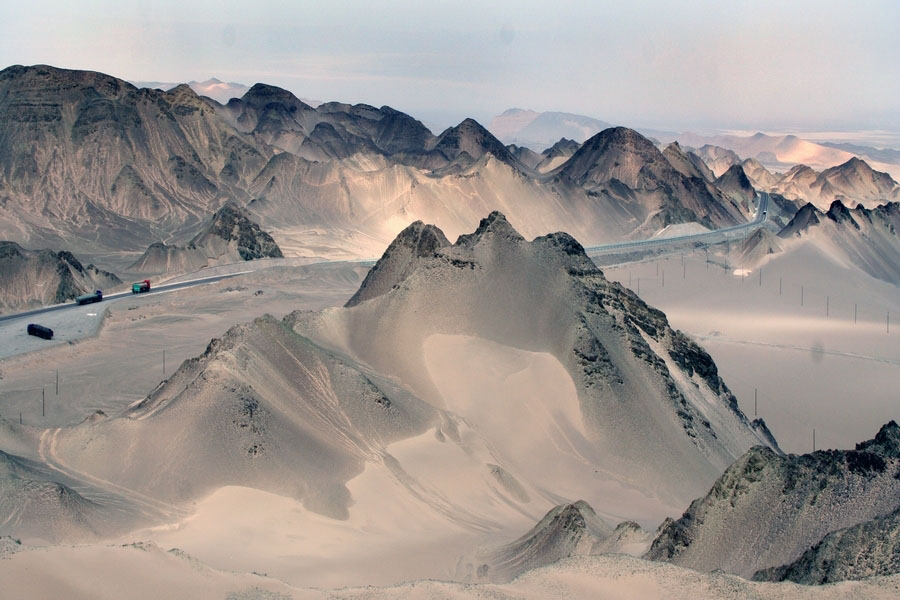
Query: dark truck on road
[140, 287]
[40, 331]
[95, 296]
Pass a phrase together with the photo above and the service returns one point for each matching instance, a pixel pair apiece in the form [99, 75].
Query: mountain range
[865, 238]
[86, 153]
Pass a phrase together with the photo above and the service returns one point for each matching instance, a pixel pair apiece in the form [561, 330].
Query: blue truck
[95, 296]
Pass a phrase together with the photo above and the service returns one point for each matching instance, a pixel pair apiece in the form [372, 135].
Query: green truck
[95, 296]
[140, 287]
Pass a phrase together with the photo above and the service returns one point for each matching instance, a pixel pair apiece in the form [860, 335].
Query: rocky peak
[839, 213]
[735, 177]
[473, 140]
[615, 153]
[232, 223]
[262, 94]
[564, 147]
[417, 241]
[620, 136]
[885, 443]
[494, 226]
[806, 217]
[855, 164]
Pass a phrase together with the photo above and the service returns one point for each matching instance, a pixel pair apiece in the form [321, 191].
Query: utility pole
[760, 277]
[57, 382]
[683, 270]
[43, 395]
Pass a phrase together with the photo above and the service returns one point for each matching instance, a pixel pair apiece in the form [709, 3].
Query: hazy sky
[729, 64]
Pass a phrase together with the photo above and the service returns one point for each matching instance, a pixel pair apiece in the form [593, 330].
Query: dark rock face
[470, 140]
[736, 185]
[806, 217]
[233, 224]
[840, 214]
[230, 236]
[564, 147]
[769, 510]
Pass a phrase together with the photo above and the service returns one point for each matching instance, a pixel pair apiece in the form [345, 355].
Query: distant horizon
[765, 65]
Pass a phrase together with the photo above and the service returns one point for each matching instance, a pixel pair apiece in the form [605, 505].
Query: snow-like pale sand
[412, 517]
[435, 497]
[526, 405]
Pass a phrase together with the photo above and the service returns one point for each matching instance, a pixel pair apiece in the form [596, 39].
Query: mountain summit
[632, 373]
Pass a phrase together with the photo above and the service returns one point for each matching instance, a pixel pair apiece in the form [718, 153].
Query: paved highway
[166, 287]
[761, 216]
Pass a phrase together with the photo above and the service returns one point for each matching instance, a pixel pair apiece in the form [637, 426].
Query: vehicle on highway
[95, 296]
[140, 287]
[40, 331]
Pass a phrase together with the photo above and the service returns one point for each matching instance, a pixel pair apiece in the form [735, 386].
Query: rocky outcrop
[557, 154]
[865, 550]
[567, 530]
[230, 237]
[767, 510]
